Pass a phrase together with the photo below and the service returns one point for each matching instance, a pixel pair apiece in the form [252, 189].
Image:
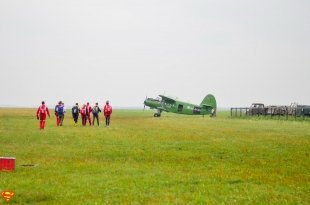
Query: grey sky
[77, 51]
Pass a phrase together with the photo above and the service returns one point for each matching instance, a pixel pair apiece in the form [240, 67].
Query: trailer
[303, 111]
[259, 109]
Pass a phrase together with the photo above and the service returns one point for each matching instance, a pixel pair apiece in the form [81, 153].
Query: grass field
[140, 159]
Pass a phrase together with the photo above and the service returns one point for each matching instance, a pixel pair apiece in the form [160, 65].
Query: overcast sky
[77, 51]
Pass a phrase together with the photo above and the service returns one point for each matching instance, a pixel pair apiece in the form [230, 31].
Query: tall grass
[140, 159]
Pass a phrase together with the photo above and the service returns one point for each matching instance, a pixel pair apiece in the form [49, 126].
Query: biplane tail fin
[210, 101]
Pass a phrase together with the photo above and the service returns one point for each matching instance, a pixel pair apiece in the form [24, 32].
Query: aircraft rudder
[209, 100]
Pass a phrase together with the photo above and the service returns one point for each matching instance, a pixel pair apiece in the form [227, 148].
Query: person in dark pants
[56, 113]
[61, 113]
[107, 110]
[75, 113]
[96, 111]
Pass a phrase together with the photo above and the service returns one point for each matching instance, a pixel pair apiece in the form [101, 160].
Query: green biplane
[168, 104]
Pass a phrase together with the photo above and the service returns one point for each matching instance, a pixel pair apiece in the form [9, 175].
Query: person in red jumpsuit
[83, 112]
[107, 111]
[41, 114]
[88, 111]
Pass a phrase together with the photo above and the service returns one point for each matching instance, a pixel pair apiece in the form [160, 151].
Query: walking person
[75, 113]
[107, 111]
[61, 113]
[83, 115]
[88, 112]
[65, 110]
[56, 113]
[41, 114]
[96, 111]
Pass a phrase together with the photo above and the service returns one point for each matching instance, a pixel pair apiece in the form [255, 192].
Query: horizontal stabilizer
[207, 105]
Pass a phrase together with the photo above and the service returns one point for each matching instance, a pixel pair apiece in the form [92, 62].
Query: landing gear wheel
[156, 115]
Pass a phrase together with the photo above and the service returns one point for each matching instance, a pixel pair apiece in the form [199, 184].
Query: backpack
[107, 109]
[83, 111]
[96, 110]
[75, 110]
[88, 109]
[42, 110]
[60, 110]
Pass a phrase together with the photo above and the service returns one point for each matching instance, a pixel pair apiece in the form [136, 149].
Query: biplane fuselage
[167, 104]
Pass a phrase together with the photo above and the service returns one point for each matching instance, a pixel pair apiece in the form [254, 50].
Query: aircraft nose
[146, 102]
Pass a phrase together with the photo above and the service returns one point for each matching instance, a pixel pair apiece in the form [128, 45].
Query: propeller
[144, 103]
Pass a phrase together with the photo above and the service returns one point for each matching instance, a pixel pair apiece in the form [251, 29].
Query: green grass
[140, 159]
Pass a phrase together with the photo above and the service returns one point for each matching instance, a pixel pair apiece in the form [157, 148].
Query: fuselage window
[180, 108]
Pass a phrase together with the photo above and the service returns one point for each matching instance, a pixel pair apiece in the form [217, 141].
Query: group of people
[85, 111]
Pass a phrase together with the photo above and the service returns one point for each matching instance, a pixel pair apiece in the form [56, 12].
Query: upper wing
[167, 99]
